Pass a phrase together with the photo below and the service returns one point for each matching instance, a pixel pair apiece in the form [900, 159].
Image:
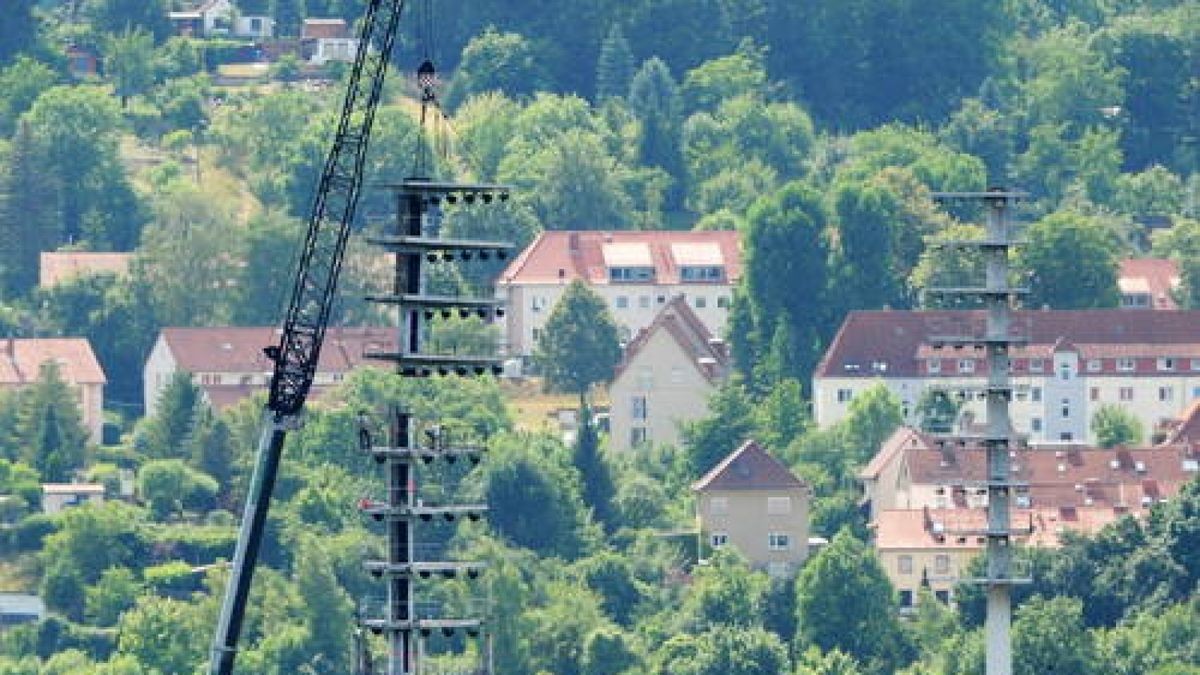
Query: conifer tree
[614, 68]
[167, 433]
[50, 427]
[29, 218]
[598, 489]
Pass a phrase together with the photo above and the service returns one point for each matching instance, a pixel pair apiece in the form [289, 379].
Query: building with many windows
[636, 273]
[665, 378]
[1073, 363]
[751, 501]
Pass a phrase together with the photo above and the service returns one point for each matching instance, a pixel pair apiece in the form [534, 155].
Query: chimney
[573, 243]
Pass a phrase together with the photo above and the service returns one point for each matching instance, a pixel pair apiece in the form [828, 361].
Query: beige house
[636, 272]
[21, 361]
[228, 364]
[750, 500]
[59, 496]
[1074, 363]
[1148, 283]
[665, 378]
[55, 267]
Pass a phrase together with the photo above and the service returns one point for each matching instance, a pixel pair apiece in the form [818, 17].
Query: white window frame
[1166, 363]
[1095, 365]
[638, 407]
[933, 365]
[845, 395]
[718, 539]
[1125, 394]
[1126, 364]
[966, 365]
[779, 541]
[1166, 394]
[1037, 365]
[779, 506]
[941, 564]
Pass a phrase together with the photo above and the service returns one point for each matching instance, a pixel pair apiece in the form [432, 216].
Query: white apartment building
[636, 273]
[665, 378]
[1073, 362]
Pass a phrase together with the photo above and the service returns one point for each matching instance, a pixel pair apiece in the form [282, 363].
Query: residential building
[324, 40]
[665, 378]
[55, 267]
[1148, 283]
[635, 272]
[228, 364]
[59, 496]
[22, 359]
[18, 608]
[750, 500]
[221, 18]
[928, 508]
[1073, 363]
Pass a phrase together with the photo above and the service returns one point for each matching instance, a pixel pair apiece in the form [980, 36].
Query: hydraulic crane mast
[299, 348]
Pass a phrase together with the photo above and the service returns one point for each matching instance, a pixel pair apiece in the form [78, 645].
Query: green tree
[937, 411]
[22, 82]
[727, 426]
[614, 68]
[609, 651]
[724, 651]
[580, 344]
[128, 59]
[1112, 425]
[1049, 637]
[166, 434]
[495, 61]
[743, 72]
[115, 16]
[212, 451]
[63, 589]
[1072, 262]
[594, 471]
[269, 248]
[654, 101]
[558, 630]
[51, 427]
[116, 591]
[327, 610]
[726, 593]
[170, 486]
[844, 601]
[19, 31]
[29, 218]
[164, 635]
[611, 577]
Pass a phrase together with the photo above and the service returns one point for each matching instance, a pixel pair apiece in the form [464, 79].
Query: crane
[320, 262]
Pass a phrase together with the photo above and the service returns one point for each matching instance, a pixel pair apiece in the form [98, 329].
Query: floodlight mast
[299, 348]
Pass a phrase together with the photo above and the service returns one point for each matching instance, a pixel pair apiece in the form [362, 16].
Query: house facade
[636, 273]
[59, 496]
[22, 359]
[665, 378]
[751, 501]
[1073, 363]
[325, 40]
[1148, 283]
[221, 18]
[228, 364]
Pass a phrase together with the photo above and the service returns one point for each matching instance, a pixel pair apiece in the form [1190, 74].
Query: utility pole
[1003, 569]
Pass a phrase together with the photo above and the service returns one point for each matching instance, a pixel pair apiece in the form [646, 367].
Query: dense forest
[818, 130]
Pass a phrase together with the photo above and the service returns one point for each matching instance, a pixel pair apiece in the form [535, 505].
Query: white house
[59, 496]
[213, 18]
[228, 364]
[1073, 363]
[665, 378]
[635, 272]
[325, 40]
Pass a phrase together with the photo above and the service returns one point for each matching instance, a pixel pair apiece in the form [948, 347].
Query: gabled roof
[240, 350]
[563, 256]
[1185, 429]
[903, 438]
[750, 467]
[677, 320]
[58, 266]
[893, 343]
[1156, 277]
[21, 360]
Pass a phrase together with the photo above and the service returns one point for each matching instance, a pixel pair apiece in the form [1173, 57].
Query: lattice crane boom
[313, 288]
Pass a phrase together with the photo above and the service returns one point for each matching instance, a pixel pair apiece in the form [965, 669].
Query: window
[537, 334]
[906, 599]
[723, 301]
[638, 436]
[966, 365]
[1064, 372]
[1166, 363]
[1094, 394]
[1095, 365]
[777, 541]
[622, 302]
[630, 273]
[645, 378]
[644, 301]
[639, 407]
[844, 395]
[904, 564]
[1166, 393]
[933, 365]
[941, 564]
[537, 303]
[676, 375]
[718, 539]
[779, 506]
[1037, 365]
[718, 506]
[701, 302]
[1066, 436]
[1066, 408]
[942, 596]
[1035, 394]
[701, 273]
[1195, 364]
[1036, 424]
[1125, 365]
[210, 378]
[1125, 393]
[256, 25]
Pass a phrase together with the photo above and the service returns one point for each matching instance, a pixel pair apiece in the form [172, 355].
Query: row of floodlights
[460, 370]
[464, 313]
[446, 573]
[466, 255]
[470, 197]
[447, 631]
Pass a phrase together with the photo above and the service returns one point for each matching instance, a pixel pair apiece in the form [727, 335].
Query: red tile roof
[21, 360]
[240, 350]
[710, 355]
[1156, 277]
[750, 467]
[58, 266]
[945, 529]
[893, 343]
[563, 256]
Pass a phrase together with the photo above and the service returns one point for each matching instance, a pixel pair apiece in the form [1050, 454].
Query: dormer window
[694, 273]
[628, 274]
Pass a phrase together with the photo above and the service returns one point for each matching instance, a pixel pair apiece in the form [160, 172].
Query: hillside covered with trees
[818, 130]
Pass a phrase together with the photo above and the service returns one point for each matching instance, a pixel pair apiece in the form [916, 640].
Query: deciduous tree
[580, 344]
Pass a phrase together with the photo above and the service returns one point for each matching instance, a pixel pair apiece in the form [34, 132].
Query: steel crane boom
[296, 355]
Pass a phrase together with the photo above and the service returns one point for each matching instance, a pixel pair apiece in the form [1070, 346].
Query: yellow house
[750, 500]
